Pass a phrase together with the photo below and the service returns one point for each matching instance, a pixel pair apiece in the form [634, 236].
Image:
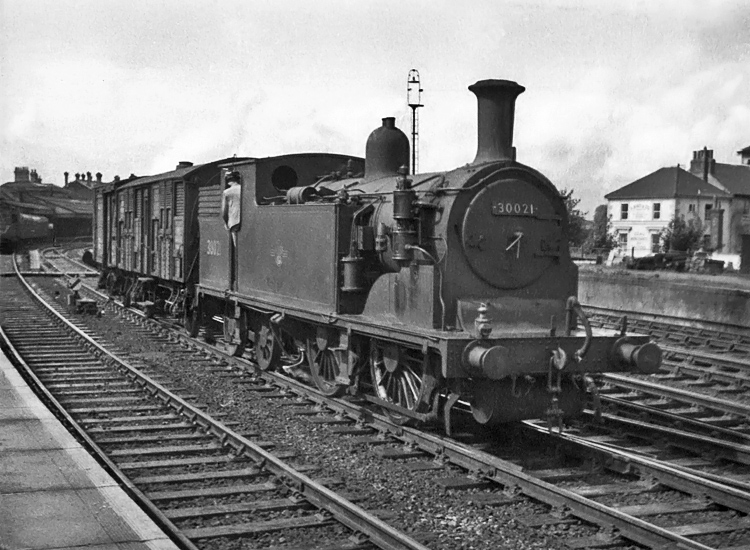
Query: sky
[614, 90]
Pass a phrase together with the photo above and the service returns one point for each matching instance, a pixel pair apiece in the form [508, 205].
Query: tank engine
[418, 291]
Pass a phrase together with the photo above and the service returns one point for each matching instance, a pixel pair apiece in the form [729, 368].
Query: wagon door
[145, 231]
[155, 244]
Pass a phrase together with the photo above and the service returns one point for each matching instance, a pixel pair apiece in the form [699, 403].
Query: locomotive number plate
[513, 209]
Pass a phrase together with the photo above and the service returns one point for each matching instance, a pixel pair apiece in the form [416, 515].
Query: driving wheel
[324, 367]
[267, 347]
[398, 378]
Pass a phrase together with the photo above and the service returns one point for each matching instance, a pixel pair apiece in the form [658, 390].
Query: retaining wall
[687, 297]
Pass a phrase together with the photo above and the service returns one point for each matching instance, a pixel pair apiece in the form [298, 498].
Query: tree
[577, 230]
[601, 235]
[681, 235]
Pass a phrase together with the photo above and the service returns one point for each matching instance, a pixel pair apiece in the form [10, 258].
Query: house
[716, 194]
[69, 209]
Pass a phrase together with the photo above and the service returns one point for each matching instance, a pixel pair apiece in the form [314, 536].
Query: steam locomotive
[18, 229]
[416, 291]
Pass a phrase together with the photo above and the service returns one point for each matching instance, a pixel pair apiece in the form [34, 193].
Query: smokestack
[66, 178]
[496, 106]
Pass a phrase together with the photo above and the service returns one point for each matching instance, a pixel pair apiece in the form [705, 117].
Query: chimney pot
[703, 163]
[78, 176]
[88, 176]
[66, 178]
[99, 177]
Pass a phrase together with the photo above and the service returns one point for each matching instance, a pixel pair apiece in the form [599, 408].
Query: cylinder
[496, 106]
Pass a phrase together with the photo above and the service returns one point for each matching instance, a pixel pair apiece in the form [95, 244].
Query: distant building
[717, 194]
[82, 187]
[70, 208]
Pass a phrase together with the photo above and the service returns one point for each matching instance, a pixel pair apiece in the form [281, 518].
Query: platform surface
[53, 494]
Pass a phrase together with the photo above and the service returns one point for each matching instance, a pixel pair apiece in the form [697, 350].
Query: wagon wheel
[193, 321]
[398, 378]
[267, 347]
[235, 334]
[325, 365]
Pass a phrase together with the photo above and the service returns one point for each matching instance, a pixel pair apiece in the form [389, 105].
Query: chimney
[703, 163]
[117, 178]
[98, 177]
[78, 176]
[21, 174]
[66, 174]
[184, 164]
[496, 106]
[88, 177]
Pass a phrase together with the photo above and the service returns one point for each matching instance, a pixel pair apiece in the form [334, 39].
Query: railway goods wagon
[19, 229]
[421, 292]
[146, 235]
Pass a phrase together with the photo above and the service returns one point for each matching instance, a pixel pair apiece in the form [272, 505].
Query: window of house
[708, 208]
[624, 211]
[622, 240]
[655, 242]
[657, 210]
[691, 208]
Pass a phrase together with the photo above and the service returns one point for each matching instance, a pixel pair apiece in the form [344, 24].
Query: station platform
[53, 494]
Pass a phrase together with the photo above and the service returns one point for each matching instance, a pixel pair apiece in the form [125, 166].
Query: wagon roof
[179, 173]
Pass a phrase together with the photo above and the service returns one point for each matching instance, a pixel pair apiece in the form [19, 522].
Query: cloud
[614, 90]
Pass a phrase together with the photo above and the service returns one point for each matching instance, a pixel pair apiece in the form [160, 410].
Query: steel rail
[512, 475]
[154, 513]
[705, 401]
[359, 520]
[90, 271]
[667, 474]
[683, 359]
[732, 450]
[676, 418]
[740, 331]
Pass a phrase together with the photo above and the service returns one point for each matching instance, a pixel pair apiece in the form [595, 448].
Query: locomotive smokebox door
[511, 234]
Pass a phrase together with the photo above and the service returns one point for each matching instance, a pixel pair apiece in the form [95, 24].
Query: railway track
[175, 459]
[702, 384]
[57, 259]
[602, 494]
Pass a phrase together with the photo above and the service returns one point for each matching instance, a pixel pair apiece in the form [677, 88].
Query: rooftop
[667, 183]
